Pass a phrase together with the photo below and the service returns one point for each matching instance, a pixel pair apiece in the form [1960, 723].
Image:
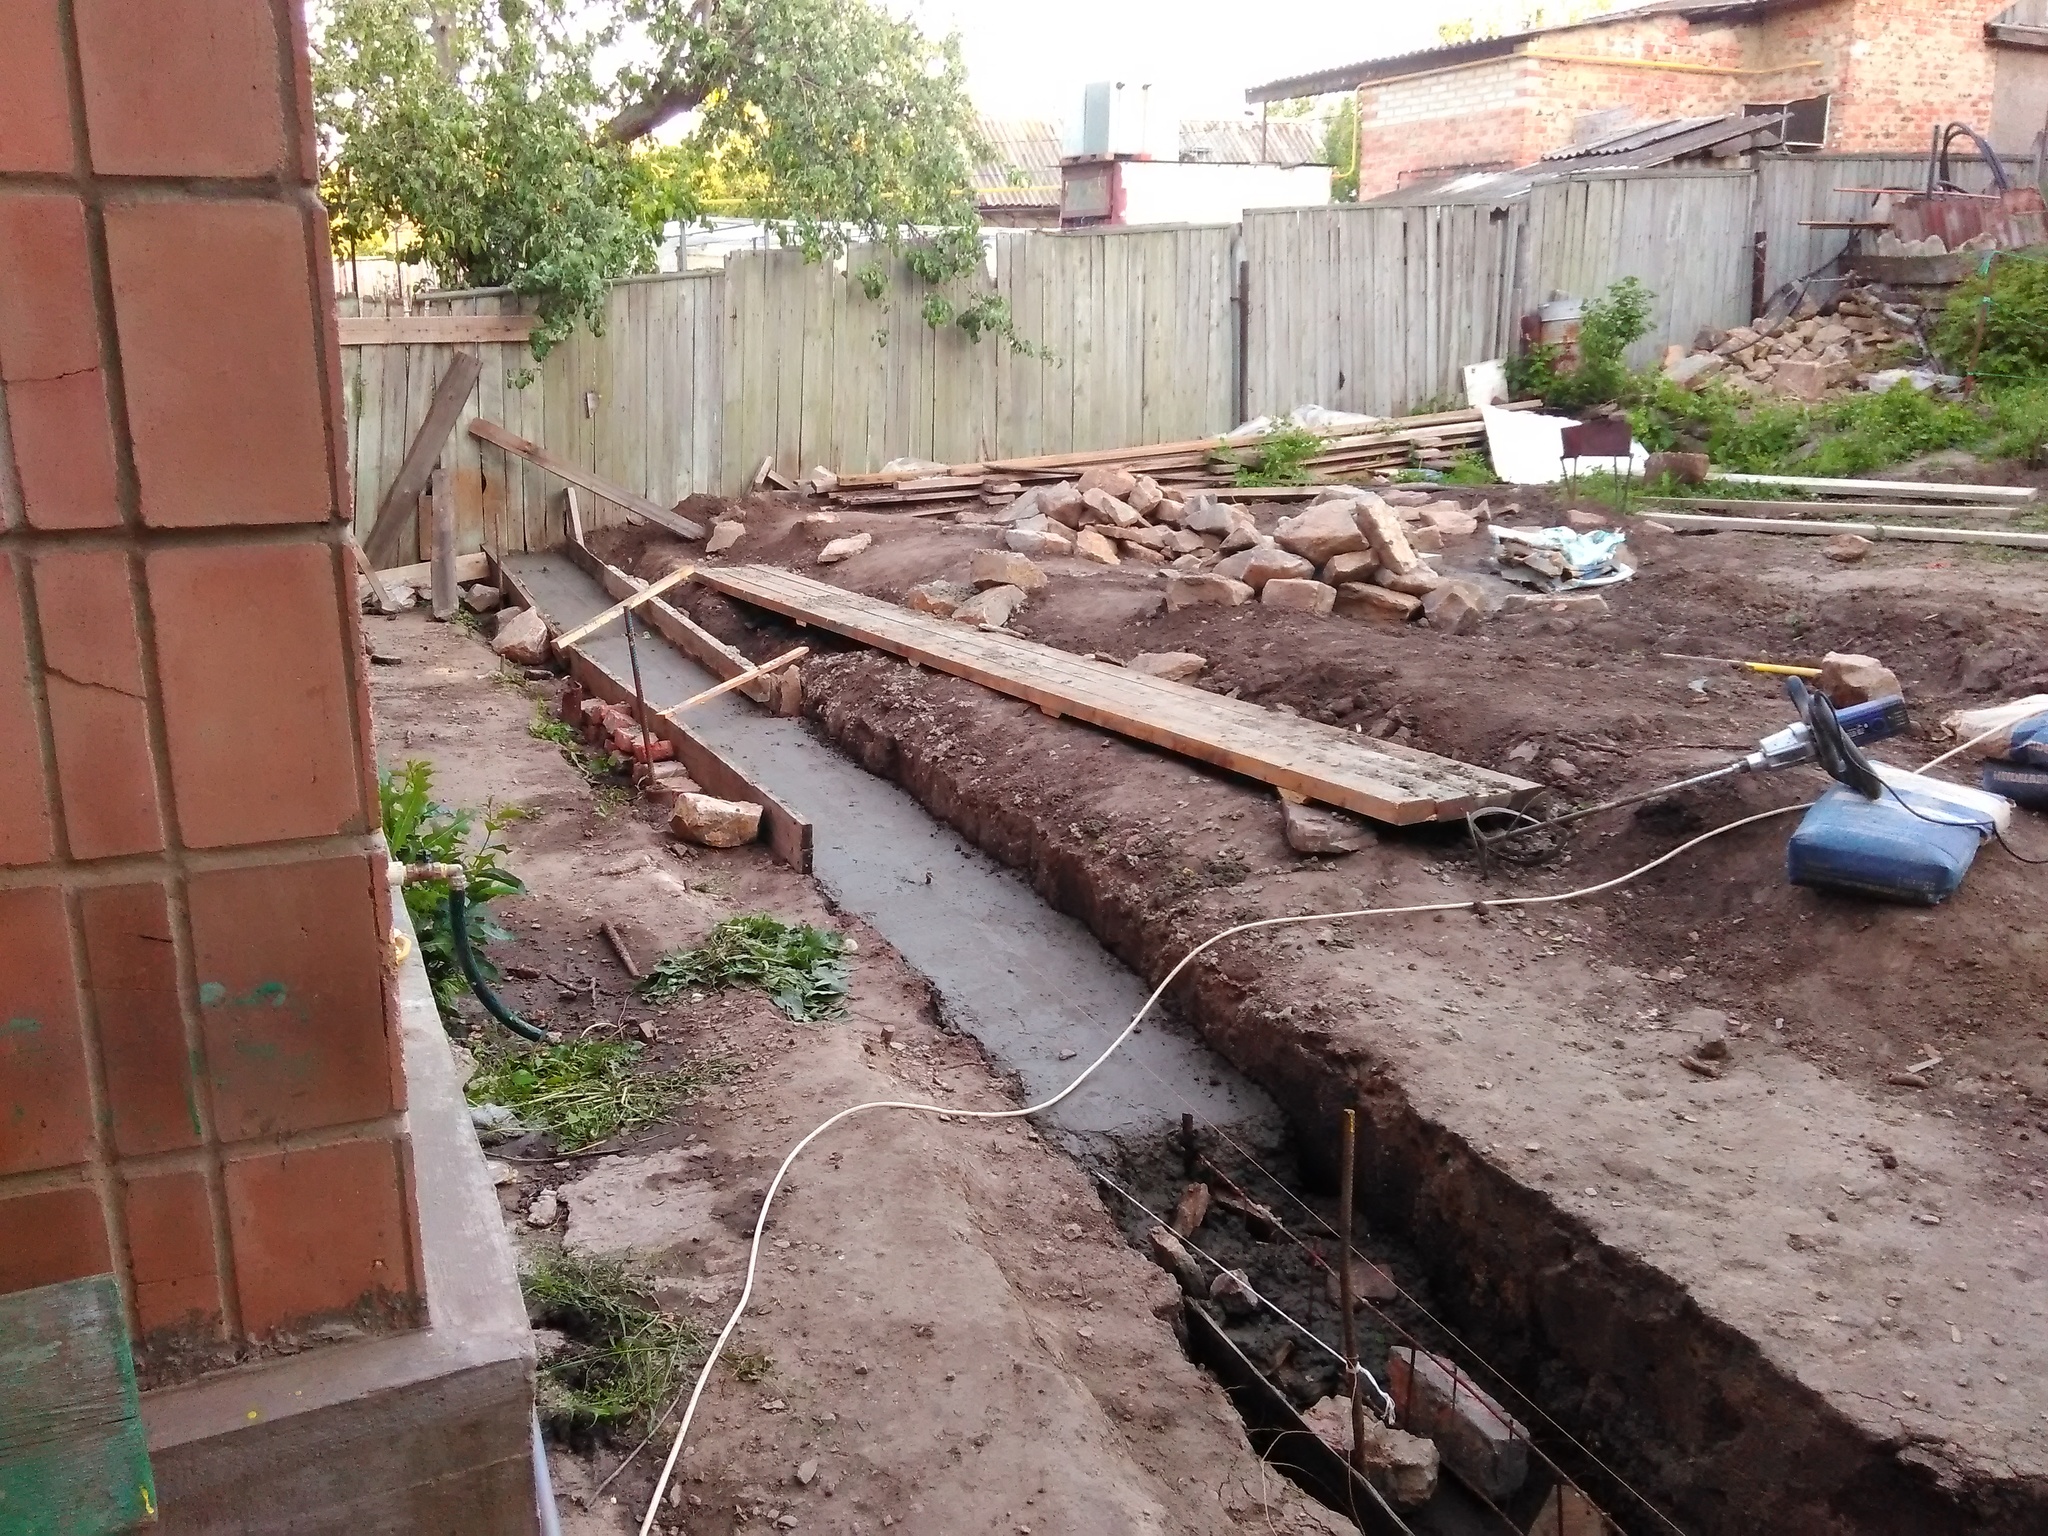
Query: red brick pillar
[200, 1086]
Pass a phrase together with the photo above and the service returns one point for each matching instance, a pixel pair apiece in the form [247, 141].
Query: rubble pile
[1821, 346]
[1350, 552]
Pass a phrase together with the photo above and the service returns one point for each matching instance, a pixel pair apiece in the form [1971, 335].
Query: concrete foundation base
[426, 1432]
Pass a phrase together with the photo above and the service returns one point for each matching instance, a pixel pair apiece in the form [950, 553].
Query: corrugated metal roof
[1237, 141]
[1392, 66]
[1640, 148]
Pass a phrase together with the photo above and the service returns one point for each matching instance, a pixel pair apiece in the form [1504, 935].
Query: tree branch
[643, 117]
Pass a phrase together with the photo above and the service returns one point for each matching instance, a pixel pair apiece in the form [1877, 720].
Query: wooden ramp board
[1299, 757]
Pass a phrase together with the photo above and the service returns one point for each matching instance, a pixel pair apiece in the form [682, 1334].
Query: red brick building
[1866, 75]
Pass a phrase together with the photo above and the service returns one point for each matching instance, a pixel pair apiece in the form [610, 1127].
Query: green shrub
[419, 830]
[2009, 297]
[1613, 323]
[1281, 457]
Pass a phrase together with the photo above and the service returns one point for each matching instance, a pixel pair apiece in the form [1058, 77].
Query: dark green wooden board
[73, 1457]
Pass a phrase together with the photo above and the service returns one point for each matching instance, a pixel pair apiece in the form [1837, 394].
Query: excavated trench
[1679, 1405]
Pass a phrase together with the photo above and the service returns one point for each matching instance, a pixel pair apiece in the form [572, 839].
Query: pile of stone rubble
[1822, 346]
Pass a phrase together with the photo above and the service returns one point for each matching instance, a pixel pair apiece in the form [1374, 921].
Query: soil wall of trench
[1690, 1411]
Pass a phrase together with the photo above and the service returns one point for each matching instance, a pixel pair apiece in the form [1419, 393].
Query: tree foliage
[502, 141]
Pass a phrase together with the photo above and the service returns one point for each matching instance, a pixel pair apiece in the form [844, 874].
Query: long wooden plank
[1687, 523]
[1996, 512]
[627, 604]
[474, 566]
[1908, 490]
[433, 330]
[1303, 757]
[403, 494]
[638, 505]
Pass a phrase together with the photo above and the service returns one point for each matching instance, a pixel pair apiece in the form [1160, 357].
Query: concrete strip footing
[428, 1431]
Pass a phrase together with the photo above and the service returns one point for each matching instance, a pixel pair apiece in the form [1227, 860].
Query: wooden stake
[379, 593]
[676, 577]
[443, 563]
[1345, 1297]
[617, 941]
[646, 753]
[575, 516]
[737, 682]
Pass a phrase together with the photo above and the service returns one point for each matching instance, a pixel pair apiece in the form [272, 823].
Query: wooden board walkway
[1301, 758]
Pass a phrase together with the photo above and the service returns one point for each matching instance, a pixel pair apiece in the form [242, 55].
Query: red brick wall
[1894, 68]
[200, 1085]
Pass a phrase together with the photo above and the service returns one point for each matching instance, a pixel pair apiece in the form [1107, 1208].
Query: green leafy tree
[1340, 148]
[503, 143]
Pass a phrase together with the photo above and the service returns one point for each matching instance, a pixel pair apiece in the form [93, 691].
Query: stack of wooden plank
[1209, 463]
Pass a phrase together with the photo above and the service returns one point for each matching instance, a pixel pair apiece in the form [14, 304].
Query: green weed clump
[626, 1359]
[801, 968]
[420, 830]
[1613, 323]
[1996, 322]
[585, 1092]
[1281, 457]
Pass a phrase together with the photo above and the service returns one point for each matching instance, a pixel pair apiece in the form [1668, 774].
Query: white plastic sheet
[1527, 447]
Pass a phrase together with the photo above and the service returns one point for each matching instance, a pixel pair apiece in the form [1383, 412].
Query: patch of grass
[584, 1092]
[1870, 432]
[2019, 422]
[800, 967]
[420, 830]
[1281, 457]
[1471, 467]
[626, 1358]
[544, 726]
[467, 620]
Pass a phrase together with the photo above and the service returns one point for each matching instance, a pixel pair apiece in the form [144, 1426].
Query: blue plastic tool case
[1879, 848]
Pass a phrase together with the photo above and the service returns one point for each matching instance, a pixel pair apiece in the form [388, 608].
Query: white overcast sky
[1030, 58]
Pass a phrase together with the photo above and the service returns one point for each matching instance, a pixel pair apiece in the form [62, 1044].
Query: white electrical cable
[761, 1221]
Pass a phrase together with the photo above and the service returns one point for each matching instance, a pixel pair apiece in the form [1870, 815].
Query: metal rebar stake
[646, 752]
[1344, 1295]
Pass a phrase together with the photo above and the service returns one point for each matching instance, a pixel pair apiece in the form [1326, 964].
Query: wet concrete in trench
[1030, 984]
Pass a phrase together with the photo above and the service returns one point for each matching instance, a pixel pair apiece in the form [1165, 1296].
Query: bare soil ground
[948, 1335]
[1795, 1298]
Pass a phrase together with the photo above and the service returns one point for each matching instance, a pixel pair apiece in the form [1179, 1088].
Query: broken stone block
[1091, 545]
[1181, 542]
[1169, 511]
[1381, 525]
[844, 549]
[1117, 481]
[1454, 607]
[482, 597]
[938, 598]
[1449, 519]
[1169, 1254]
[1099, 507]
[522, 637]
[1424, 539]
[1802, 380]
[1320, 534]
[1232, 1290]
[1692, 371]
[1358, 565]
[1211, 517]
[992, 606]
[668, 782]
[713, 822]
[1048, 543]
[724, 534]
[1570, 605]
[1144, 536]
[1847, 548]
[1401, 1466]
[1174, 666]
[1474, 1434]
[1847, 678]
[1061, 503]
[1297, 595]
[1568, 1512]
[1144, 554]
[1145, 494]
[1685, 468]
[1587, 522]
[1417, 583]
[1004, 568]
[1360, 600]
[1309, 829]
[824, 481]
[1025, 506]
[1242, 537]
[1263, 563]
[1191, 591]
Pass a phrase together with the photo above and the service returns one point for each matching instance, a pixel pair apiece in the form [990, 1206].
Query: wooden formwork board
[1301, 758]
[782, 829]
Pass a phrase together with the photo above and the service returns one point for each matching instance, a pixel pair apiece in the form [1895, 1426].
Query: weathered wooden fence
[1137, 336]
